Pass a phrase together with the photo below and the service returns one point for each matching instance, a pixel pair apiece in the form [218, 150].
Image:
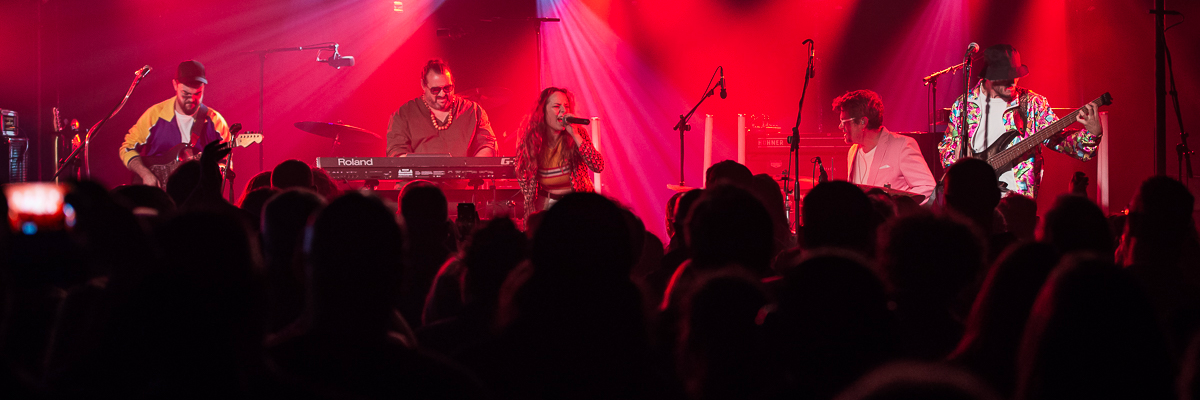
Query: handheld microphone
[823, 177]
[577, 120]
[972, 48]
[723, 93]
[142, 71]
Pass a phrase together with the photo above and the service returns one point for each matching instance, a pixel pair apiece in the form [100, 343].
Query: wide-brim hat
[1002, 62]
[191, 73]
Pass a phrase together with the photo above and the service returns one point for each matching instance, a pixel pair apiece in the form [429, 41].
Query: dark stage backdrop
[636, 64]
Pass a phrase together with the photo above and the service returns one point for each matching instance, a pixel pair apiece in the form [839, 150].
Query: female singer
[554, 157]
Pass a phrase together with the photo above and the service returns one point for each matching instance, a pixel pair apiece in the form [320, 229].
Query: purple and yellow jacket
[1079, 144]
[157, 131]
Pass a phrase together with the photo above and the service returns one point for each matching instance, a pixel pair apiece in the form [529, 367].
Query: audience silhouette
[305, 292]
[1092, 335]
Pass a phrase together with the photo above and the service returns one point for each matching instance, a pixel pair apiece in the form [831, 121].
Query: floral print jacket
[1079, 144]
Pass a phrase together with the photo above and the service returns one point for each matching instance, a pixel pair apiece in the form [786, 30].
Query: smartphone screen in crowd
[38, 207]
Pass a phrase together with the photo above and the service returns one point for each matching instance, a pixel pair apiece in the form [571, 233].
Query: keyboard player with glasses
[554, 157]
[439, 122]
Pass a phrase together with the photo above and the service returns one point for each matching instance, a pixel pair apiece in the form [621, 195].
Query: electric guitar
[163, 165]
[1004, 158]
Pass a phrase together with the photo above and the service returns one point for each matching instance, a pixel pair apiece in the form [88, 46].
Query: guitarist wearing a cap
[179, 122]
[997, 105]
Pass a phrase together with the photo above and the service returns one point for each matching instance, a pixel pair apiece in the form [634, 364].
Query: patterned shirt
[1079, 144]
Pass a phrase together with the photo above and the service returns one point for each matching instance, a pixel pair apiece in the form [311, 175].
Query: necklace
[433, 117]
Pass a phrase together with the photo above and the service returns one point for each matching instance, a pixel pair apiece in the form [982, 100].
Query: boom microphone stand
[931, 103]
[1181, 150]
[74, 156]
[965, 149]
[682, 126]
[794, 140]
[262, 77]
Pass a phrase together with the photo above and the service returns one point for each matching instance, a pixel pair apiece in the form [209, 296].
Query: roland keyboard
[387, 168]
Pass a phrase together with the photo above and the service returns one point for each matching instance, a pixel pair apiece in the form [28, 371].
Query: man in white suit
[878, 157]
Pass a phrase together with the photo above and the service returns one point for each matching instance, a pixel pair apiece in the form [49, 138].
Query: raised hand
[214, 151]
[208, 192]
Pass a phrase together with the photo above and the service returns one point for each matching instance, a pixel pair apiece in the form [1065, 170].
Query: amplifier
[15, 149]
[928, 143]
[8, 123]
[767, 152]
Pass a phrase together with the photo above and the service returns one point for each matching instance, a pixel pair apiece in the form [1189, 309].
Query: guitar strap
[1023, 123]
[199, 127]
[1023, 112]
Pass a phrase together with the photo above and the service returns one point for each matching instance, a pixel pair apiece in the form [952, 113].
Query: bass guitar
[1003, 158]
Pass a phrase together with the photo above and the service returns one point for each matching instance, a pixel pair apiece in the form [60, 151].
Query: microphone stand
[931, 104]
[682, 126]
[74, 156]
[262, 77]
[794, 140]
[965, 149]
[1181, 150]
[229, 174]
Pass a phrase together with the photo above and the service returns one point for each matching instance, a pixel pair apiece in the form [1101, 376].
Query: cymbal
[338, 132]
[680, 189]
[489, 96]
[802, 179]
[893, 192]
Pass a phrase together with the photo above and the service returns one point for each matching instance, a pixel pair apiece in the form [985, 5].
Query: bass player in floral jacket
[997, 105]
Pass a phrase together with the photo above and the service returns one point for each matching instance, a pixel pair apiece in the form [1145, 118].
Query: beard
[188, 108]
[440, 104]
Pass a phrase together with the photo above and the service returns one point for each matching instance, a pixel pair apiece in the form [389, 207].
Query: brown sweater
[411, 130]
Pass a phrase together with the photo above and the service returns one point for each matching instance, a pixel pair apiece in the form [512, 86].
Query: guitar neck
[1029, 143]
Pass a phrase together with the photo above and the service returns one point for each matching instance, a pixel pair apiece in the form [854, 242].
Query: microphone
[823, 177]
[723, 93]
[142, 72]
[972, 48]
[812, 54]
[338, 61]
[577, 120]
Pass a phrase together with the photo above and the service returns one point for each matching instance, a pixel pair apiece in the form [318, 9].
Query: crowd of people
[302, 291]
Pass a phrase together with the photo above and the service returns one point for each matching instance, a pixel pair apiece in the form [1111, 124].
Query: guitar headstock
[1105, 99]
[248, 138]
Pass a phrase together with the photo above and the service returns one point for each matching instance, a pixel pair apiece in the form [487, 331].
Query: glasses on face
[844, 121]
[438, 89]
